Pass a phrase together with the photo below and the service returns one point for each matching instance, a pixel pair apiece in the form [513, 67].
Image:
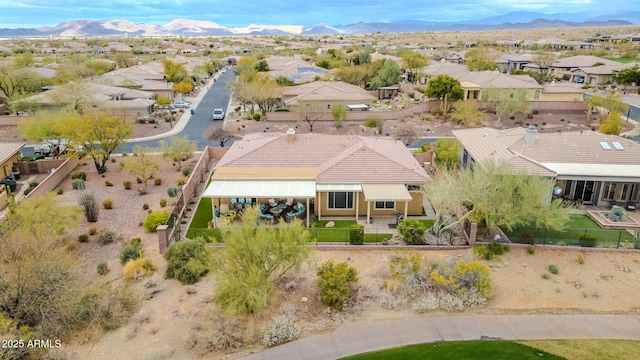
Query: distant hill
[185, 27]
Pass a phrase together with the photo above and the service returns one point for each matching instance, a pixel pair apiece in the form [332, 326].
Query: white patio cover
[261, 189]
[339, 187]
[386, 192]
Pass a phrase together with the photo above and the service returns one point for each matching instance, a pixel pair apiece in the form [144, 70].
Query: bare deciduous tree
[310, 114]
[217, 132]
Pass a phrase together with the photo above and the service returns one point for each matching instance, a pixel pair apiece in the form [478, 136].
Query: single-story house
[294, 69]
[321, 95]
[9, 154]
[326, 175]
[589, 167]
[586, 67]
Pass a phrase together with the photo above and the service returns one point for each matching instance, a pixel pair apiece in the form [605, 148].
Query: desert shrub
[108, 183]
[282, 330]
[102, 268]
[157, 181]
[426, 304]
[139, 180]
[79, 175]
[127, 185]
[135, 269]
[410, 275]
[187, 261]
[546, 276]
[9, 330]
[588, 240]
[83, 238]
[451, 302]
[77, 184]
[92, 230]
[180, 182]
[187, 170]
[223, 333]
[163, 202]
[145, 206]
[412, 231]
[107, 204]
[59, 191]
[90, 207]
[27, 191]
[256, 116]
[107, 307]
[106, 237]
[155, 219]
[531, 250]
[483, 252]
[463, 276]
[172, 191]
[335, 282]
[580, 258]
[498, 248]
[129, 251]
[33, 184]
[281, 110]
[356, 236]
[554, 269]
[489, 251]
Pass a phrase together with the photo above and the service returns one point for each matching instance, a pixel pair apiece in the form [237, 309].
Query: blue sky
[230, 13]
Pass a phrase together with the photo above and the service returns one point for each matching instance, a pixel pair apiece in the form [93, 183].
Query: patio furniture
[248, 201]
[298, 209]
[266, 216]
[263, 208]
[275, 211]
[224, 208]
[282, 206]
[234, 201]
[631, 206]
[289, 201]
[272, 202]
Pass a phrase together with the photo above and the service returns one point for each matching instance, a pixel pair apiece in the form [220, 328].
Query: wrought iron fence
[604, 238]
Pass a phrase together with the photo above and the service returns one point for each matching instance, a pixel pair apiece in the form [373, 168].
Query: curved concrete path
[359, 338]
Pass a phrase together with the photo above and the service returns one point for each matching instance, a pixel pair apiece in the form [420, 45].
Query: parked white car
[180, 104]
[52, 147]
[218, 114]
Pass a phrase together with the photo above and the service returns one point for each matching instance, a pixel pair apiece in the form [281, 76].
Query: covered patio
[276, 198]
[383, 195]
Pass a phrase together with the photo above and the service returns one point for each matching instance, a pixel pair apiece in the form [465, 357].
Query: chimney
[530, 135]
[291, 135]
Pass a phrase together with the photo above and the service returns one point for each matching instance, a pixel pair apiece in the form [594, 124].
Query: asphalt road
[217, 97]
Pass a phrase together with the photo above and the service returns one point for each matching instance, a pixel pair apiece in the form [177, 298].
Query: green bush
[93, 230]
[256, 116]
[129, 251]
[108, 183]
[488, 252]
[83, 238]
[180, 182]
[498, 248]
[145, 206]
[412, 231]
[106, 237]
[59, 191]
[163, 202]
[28, 158]
[127, 185]
[281, 110]
[77, 184]
[588, 240]
[79, 175]
[335, 282]
[172, 191]
[372, 121]
[356, 236]
[554, 269]
[531, 250]
[187, 170]
[157, 181]
[155, 219]
[483, 252]
[187, 261]
[102, 268]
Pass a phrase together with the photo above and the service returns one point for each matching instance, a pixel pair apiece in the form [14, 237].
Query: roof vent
[530, 135]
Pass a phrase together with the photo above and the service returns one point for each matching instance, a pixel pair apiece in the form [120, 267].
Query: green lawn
[622, 60]
[459, 350]
[578, 224]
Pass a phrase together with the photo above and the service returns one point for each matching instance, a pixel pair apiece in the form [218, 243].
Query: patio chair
[234, 201]
[263, 207]
[273, 202]
[248, 201]
[266, 216]
[631, 206]
[289, 201]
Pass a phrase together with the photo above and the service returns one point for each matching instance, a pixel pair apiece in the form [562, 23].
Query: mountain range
[184, 27]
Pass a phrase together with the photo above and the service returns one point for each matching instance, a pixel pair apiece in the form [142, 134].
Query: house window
[609, 191]
[385, 205]
[413, 187]
[340, 200]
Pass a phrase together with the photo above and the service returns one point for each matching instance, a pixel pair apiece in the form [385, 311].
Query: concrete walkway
[359, 338]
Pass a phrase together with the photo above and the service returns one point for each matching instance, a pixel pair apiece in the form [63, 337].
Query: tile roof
[326, 90]
[9, 149]
[550, 149]
[338, 158]
[498, 80]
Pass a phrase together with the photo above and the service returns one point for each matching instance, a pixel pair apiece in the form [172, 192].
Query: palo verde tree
[412, 62]
[506, 102]
[142, 165]
[254, 258]
[99, 135]
[339, 113]
[493, 194]
[179, 149]
[388, 74]
[444, 88]
[174, 72]
[628, 76]
[479, 59]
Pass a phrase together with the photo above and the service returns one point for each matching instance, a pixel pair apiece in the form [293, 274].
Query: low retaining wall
[56, 177]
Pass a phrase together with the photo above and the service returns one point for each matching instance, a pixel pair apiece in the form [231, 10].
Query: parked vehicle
[218, 114]
[51, 147]
[180, 104]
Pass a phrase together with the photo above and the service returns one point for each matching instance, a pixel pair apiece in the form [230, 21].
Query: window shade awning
[261, 189]
[339, 187]
[386, 192]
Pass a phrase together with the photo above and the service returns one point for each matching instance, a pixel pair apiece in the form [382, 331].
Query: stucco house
[294, 69]
[589, 167]
[321, 95]
[328, 175]
[585, 69]
[9, 155]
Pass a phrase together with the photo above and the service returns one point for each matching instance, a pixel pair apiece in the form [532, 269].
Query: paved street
[194, 126]
[359, 338]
